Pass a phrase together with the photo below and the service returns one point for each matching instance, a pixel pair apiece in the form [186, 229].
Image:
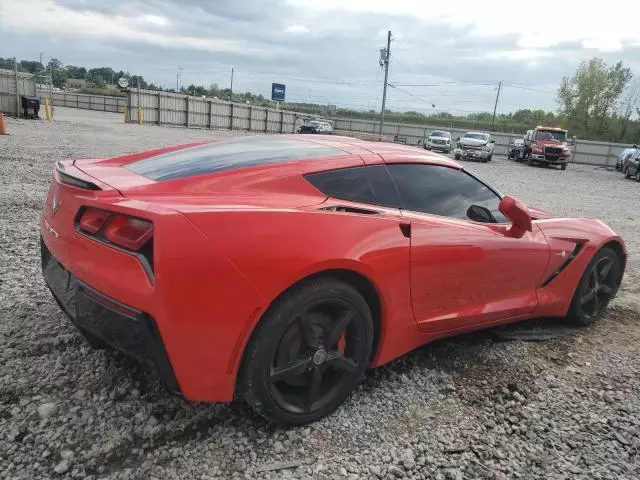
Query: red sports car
[276, 269]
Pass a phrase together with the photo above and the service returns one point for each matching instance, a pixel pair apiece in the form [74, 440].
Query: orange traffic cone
[3, 127]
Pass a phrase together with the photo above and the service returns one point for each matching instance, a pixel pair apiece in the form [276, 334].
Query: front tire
[308, 353]
[563, 166]
[530, 161]
[637, 175]
[456, 156]
[627, 175]
[598, 285]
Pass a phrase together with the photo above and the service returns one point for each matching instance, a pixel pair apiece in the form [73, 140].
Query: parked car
[439, 140]
[548, 146]
[516, 149]
[276, 269]
[316, 127]
[475, 146]
[631, 166]
[627, 152]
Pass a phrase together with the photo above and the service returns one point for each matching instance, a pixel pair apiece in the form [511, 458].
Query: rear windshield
[440, 134]
[227, 155]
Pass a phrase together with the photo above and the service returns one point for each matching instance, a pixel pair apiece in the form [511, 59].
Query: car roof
[476, 133]
[301, 154]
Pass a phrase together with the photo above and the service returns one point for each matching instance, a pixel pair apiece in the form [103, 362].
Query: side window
[370, 184]
[443, 191]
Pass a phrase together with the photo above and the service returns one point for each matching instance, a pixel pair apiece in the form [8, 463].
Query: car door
[464, 272]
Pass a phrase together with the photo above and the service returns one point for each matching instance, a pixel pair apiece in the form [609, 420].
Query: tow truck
[547, 146]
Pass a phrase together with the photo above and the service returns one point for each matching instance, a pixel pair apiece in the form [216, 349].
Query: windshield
[477, 136]
[314, 123]
[440, 134]
[554, 135]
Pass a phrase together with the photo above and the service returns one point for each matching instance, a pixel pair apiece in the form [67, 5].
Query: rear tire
[489, 158]
[598, 285]
[456, 156]
[530, 161]
[308, 353]
[637, 175]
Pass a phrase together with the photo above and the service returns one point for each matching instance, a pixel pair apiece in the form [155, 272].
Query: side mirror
[635, 146]
[573, 140]
[519, 215]
[478, 213]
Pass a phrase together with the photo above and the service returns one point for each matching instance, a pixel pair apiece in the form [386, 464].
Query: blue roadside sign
[277, 92]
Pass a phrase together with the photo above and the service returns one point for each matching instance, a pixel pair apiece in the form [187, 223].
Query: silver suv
[439, 140]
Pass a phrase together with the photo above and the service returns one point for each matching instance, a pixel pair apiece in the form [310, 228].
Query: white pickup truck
[475, 146]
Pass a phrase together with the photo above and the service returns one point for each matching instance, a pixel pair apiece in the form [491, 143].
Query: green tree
[75, 72]
[58, 74]
[588, 99]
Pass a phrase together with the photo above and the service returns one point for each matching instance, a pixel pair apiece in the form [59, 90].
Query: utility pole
[41, 58]
[231, 87]
[495, 107]
[178, 79]
[385, 55]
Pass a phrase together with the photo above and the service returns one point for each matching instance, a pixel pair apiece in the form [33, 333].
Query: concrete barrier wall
[12, 86]
[81, 100]
[165, 108]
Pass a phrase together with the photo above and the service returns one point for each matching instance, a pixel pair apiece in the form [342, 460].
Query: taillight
[92, 220]
[115, 228]
[128, 232]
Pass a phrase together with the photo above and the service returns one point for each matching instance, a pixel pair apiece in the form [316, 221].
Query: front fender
[566, 236]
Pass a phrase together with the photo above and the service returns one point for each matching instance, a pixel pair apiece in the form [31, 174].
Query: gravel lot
[470, 407]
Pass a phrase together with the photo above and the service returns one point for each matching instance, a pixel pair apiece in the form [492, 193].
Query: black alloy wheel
[597, 287]
[309, 352]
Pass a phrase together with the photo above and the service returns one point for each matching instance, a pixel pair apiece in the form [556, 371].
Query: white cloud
[297, 29]
[541, 24]
[59, 22]
[156, 20]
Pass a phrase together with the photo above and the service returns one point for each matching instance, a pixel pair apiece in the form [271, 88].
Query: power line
[411, 94]
[522, 87]
[447, 84]
[311, 80]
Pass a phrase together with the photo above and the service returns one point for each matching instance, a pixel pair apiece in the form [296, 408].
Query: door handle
[405, 228]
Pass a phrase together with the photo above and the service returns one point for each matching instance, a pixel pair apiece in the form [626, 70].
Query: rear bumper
[127, 329]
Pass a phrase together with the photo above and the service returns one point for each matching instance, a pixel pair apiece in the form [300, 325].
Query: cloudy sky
[448, 53]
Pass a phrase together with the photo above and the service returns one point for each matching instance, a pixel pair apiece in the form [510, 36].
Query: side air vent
[348, 209]
[565, 264]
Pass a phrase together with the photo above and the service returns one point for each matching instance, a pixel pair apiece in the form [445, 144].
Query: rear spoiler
[73, 180]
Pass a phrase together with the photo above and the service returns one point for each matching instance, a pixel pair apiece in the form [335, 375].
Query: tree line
[599, 102]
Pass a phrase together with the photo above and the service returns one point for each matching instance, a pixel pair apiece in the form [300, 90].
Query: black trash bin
[30, 103]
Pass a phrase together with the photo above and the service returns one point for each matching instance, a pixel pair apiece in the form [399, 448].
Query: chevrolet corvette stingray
[276, 269]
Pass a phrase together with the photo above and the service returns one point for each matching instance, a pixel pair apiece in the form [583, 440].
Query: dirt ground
[475, 406]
